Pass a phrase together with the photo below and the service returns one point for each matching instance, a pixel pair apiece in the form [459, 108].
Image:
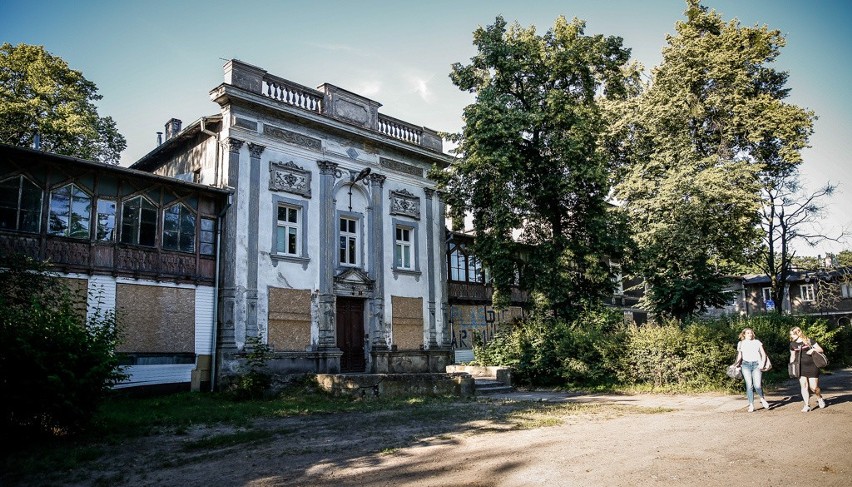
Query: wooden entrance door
[350, 334]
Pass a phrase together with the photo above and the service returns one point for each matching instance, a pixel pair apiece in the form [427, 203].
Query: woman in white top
[752, 359]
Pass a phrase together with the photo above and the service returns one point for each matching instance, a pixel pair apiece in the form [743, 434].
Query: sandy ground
[610, 441]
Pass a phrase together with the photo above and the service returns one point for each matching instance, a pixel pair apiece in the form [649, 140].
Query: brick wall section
[407, 322]
[155, 319]
[289, 319]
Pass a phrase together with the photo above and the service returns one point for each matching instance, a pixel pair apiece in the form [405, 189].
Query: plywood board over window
[407, 322]
[289, 319]
[78, 290]
[156, 319]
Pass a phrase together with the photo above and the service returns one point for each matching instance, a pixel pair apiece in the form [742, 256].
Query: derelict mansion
[301, 216]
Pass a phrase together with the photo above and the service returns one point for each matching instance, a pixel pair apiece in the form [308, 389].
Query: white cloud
[420, 86]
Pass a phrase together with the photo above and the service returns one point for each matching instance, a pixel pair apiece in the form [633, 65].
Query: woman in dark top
[801, 348]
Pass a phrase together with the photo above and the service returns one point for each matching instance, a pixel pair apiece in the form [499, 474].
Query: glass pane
[106, 220]
[342, 224]
[351, 226]
[170, 240]
[187, 242]
[292, 215]
[130, 222]
[281, 240]
[148, 225]
[406, 257]
[187, 222]
[81, 210]
[207, 249]
[352, 251]
[206, 237]
[342, 250]
[208, 225]
[30, 206]
[60, 207]
[291, 241]
[397, 255]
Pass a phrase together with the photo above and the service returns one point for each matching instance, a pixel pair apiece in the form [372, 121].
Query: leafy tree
[531, 170]
[696, 146]
[844, 258]
[40, 94]
[55, 366]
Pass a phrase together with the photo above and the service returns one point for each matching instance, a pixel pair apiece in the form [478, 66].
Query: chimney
[172, 128]
[159, 139]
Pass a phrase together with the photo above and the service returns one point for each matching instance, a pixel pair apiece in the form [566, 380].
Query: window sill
[289, 258]
[406, 272]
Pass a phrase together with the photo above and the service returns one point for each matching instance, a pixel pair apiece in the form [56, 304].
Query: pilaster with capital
[327, 337]
[378, 327]
[253, 251]
[430, 257]
[229, 298]
[445, 308]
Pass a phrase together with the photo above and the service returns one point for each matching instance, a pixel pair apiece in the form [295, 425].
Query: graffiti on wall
[468, 321]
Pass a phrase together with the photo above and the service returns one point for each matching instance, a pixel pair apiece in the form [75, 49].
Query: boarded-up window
[79, 291]
[407, 322]
[289, 319]
[156, 319]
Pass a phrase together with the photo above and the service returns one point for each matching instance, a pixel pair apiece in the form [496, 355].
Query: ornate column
[253, 251]
[228, 292]
[378, 329]
[325, 306]
[430, 257]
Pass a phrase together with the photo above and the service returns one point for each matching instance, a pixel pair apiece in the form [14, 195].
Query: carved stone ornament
[287, 176]
[404, 203]
[353, 282]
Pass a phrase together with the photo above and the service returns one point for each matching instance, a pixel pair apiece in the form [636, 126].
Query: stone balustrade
[329, 101]
[292, 94]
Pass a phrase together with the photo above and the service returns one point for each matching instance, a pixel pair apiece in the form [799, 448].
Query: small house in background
[333, 246]
[826, 292]
[140, 244]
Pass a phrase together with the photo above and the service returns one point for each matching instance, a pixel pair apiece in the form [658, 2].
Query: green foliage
[696, 147]
[530, 159]
[598, 350]
[256, 380]
[40, 94]
[55, 367]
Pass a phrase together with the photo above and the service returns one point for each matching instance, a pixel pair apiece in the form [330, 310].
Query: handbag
[767, 365]
[734, 372]
[820, 360]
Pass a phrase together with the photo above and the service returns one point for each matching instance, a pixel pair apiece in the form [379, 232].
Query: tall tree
[531, 170]
[696, 146]
[41, 96]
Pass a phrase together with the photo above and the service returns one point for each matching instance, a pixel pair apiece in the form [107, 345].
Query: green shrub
[255, 381]
[55, 367]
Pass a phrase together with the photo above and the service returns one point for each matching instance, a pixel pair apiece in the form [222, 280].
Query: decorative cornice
[328, 168]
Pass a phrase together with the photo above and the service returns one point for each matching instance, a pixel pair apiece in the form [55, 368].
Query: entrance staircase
[487, 380]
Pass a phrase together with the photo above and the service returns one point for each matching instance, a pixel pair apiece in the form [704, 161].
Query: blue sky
[153, 60]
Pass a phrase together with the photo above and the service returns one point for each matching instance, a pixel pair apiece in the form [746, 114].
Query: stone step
[490, 385]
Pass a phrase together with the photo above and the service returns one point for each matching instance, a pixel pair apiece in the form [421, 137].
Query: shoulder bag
[794, 368]
[820, 360]
[734, 372]
[767, 365]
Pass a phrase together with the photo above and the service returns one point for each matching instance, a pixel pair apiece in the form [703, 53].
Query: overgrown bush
[55, 366]
[597, 349]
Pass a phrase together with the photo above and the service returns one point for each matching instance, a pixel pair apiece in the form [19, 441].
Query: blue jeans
[753, 380]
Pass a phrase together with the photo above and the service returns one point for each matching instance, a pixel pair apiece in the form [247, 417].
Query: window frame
[73, 191]
[179, 231]
[202, 232]
[807, 293]
[138, 228]
[413, 245]
[359, 236]
[766, 293]
[18, 208]
[302, 243]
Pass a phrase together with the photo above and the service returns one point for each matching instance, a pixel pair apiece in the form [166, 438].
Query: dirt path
[562, 439]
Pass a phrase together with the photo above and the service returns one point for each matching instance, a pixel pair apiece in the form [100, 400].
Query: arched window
[20, 205]
[139, 222]
[70, 212]
[179, 228]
